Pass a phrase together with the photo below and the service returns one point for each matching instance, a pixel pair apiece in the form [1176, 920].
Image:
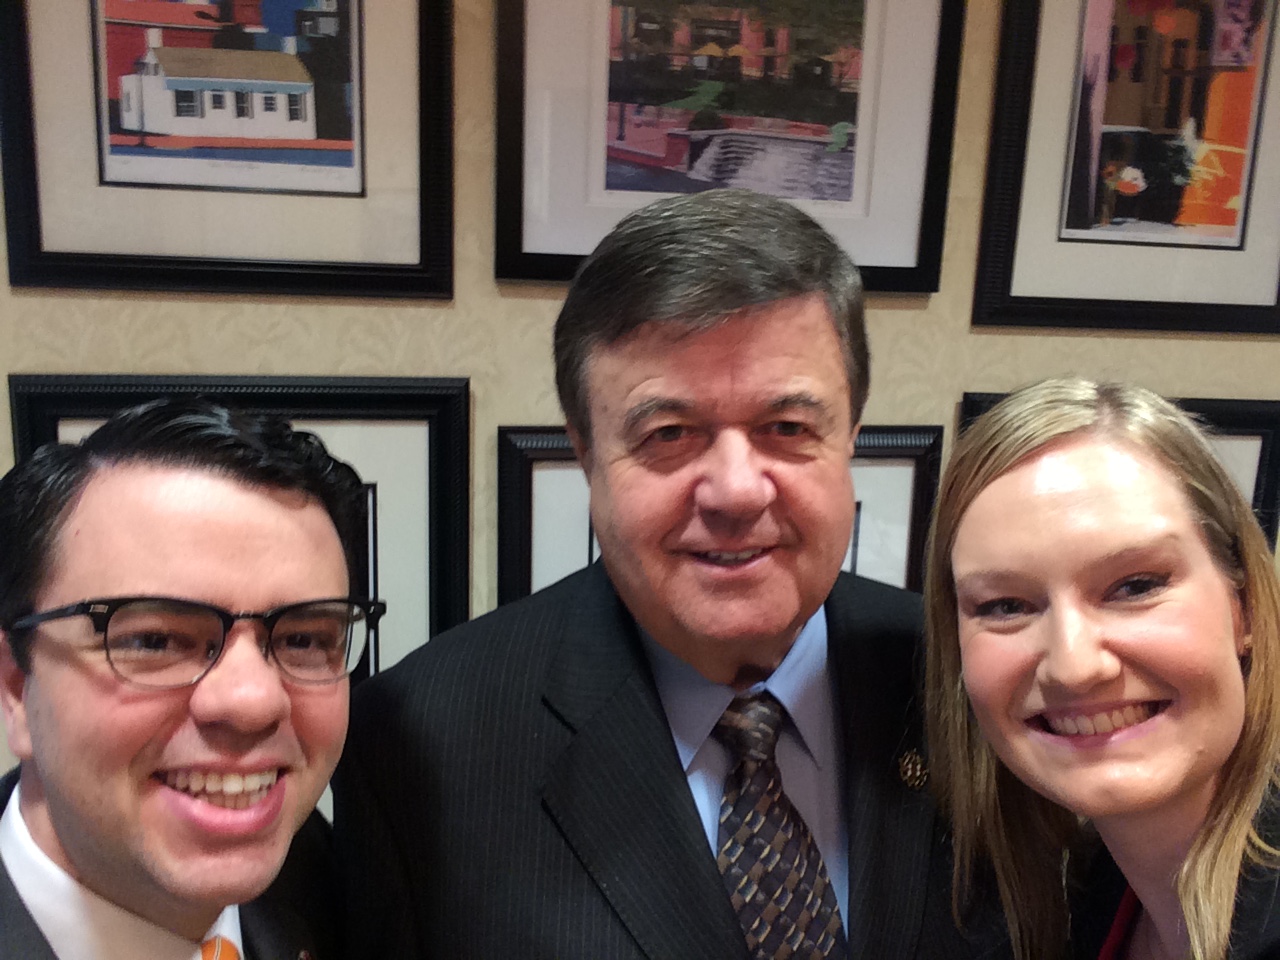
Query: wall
[925, 355]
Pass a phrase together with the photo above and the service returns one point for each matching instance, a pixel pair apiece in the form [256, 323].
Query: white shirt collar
[693, 704]
[79, 924]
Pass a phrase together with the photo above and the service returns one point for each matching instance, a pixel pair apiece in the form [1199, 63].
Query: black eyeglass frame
[100, 610]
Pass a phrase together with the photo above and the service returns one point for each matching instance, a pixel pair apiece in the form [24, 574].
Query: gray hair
[696, 261]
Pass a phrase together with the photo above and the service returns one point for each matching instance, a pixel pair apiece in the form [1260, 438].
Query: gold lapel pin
[912, 769]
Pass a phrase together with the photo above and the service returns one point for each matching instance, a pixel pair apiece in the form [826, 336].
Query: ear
[853, 438]
[13, 704]
[581, 450]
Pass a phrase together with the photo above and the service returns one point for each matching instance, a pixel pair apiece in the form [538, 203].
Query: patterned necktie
[771, 866]
[219, 948]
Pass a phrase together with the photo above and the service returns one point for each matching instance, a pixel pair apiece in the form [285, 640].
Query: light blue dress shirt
[808, 752]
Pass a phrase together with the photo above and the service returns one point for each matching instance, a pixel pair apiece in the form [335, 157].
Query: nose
[1076, 656]
[735, 481]
[244, 691]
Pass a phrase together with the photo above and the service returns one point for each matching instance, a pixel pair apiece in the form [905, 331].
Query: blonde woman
[1103, 697]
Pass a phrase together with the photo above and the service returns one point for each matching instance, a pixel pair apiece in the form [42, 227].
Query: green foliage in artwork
[707, 119]
[840, 133]
[702, 97]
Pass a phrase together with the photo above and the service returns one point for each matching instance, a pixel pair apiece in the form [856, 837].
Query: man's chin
[733, 647]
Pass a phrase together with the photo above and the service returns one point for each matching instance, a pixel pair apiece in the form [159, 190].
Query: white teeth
[720, 556]
[235, 791]
[1101, 722]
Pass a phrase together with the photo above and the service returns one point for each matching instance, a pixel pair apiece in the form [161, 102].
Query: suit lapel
[271, 933]
[619, 796]
[890, 826]
[19, 935]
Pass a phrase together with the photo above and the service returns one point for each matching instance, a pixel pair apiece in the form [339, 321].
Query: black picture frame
[521, 448]
[39, 403]
[31, 265]
[1239, 418]
[512, 262]
[993, 302]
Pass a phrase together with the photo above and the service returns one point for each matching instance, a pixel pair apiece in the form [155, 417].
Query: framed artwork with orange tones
[1127, 185]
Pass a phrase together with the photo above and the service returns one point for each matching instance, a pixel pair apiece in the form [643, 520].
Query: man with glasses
[179, 613]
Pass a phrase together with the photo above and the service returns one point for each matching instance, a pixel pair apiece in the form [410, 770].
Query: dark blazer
[1255, 926]
[512, 790]
[295, 919]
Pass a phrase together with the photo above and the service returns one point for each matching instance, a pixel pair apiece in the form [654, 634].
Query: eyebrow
[1134, 552]
[647, 408]
[799, 400]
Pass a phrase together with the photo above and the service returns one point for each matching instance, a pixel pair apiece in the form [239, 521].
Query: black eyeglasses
[163, 643]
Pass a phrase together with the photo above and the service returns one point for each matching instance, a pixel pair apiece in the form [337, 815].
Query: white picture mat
[566, 209]
[1240, 455]
[394, 455]
[884, 488]
[1045, 266]
[561, 520]
[78, 215]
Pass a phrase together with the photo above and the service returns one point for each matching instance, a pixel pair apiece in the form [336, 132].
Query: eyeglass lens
[162, 643]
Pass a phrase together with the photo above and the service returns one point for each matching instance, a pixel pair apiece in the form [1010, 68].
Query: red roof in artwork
[163, 13]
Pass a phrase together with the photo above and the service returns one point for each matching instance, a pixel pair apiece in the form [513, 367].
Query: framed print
[846, 109]
[1127, 181]
[284, 146]
[1245, 435]
[544, 521]
[407, 437]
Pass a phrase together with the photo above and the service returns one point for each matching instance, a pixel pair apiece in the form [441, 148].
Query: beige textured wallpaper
[925, 355]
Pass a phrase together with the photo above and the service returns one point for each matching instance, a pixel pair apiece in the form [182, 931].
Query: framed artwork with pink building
[846, 109]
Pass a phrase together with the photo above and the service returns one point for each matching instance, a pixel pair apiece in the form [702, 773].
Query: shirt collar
[79, 924]
[801, 683]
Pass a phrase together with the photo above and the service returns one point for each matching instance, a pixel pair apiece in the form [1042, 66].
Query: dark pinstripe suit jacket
[512, 790]
[293, 919]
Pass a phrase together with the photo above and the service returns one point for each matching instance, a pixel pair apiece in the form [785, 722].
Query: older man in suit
[707, 745]
[170, 743]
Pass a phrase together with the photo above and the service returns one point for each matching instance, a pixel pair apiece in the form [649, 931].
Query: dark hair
[257, 449]
[695, 261]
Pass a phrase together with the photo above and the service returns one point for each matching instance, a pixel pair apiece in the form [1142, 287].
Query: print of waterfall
[784, 165]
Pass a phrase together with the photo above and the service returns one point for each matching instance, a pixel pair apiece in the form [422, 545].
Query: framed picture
[409, 439]
[1245, 435]
[847, 109]
[544, 518]
[284, 146]
[1126, 181]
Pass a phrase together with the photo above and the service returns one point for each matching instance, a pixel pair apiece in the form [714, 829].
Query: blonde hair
[999, 824]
